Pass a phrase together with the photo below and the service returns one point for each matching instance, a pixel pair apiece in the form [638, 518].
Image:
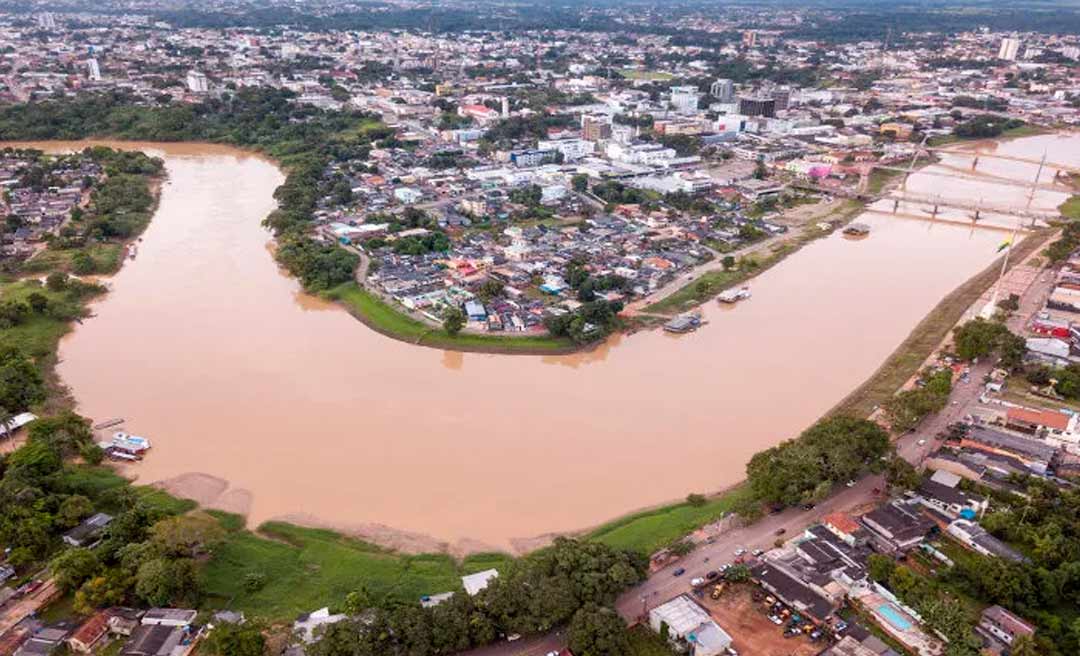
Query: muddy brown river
[261, 399]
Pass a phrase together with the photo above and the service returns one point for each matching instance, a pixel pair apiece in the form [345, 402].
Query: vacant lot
[753, 633]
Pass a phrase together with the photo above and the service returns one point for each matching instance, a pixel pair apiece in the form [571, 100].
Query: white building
[572, 149]
[689, 627]
[723, 90]
[685, 99]
[93, 69]
[197, 82]
[474, 583]
[1010, 47]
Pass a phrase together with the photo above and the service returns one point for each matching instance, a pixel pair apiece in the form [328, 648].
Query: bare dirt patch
[752, 632]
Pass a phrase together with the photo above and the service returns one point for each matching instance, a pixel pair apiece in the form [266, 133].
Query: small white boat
[734, 295]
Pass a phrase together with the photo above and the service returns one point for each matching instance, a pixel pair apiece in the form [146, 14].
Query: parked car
[781, 531]
[679, 572]
[513, 637]
[697, 581]
[758, 552]
[775, 620]
[740, 551]
[712, 574]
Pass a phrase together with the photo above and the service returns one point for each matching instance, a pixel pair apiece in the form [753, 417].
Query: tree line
[569, 583]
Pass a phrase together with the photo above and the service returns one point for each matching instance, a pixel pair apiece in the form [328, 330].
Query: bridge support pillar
[974, 162]
[895, 206]
[977, 213]
[934, 214]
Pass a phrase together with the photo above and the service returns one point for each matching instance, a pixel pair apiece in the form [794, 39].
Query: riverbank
[376, 314]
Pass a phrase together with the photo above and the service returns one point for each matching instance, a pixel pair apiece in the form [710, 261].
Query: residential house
[1003, 626]
[90, 633]
[305, 626]
[474, 583]
[169, 617]
[977, 539]
[88, 531]
[897, 527]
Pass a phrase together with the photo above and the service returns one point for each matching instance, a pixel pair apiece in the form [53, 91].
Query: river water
[288, 407]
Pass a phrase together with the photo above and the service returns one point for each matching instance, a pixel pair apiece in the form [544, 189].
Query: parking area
[748, 622]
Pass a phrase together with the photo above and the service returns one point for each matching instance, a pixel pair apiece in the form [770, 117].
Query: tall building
[1010, 47]
[723, 90]
[197, 82]
[757, 106]
[749, 39]
[595, 128]
[685, 99]
[93, 69]
[46, 21]
[782, 95]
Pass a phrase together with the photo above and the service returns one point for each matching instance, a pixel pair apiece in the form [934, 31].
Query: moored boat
[684, 323]
[734, 295]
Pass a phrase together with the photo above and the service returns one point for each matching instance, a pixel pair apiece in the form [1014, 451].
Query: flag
[1005, 244]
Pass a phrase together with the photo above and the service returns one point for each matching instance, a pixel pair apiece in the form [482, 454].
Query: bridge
[977, 207]
[976, 156]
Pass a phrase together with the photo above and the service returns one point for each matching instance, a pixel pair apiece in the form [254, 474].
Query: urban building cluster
[39, 195]
[634, 158]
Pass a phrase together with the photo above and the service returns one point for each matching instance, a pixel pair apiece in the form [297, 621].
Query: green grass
[656, 76]
[1070, 209]
[644, 642]
[306, 569]
[650, 530]
[97, 481]
[383, 318]
[107, 259]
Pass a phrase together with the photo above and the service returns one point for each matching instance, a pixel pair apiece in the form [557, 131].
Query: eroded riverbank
[207, 348]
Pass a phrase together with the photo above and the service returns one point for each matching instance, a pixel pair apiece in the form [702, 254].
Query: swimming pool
[893, 616]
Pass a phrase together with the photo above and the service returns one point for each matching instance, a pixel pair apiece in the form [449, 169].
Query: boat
[857, 229]
[129, 443]
[108, 424]
[732, 296]
[684, 323]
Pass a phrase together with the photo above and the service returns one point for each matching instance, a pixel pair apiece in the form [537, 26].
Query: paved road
[663, 585]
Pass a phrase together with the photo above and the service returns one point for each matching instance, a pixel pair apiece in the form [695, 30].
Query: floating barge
[733, 296]
[684, 323]
[124, 446]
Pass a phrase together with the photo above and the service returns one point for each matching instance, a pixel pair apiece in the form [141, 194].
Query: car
[850, 483]
[781, 531]
[740, 551]
[711, 575]
[513, 637]
[697, 581]
[679, 572]
[758, 552]
[921, 442]
[808, 506]
[775, 620]
[730, 651]
[725, 567]
[553, 653]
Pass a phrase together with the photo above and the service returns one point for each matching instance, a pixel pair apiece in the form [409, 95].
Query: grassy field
[644, 642]
[385, 319]
[650, 530]
[654, 76]
[1070, 209]
[906, 360]
[107, 259]
[96, 481]
[306, 569]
